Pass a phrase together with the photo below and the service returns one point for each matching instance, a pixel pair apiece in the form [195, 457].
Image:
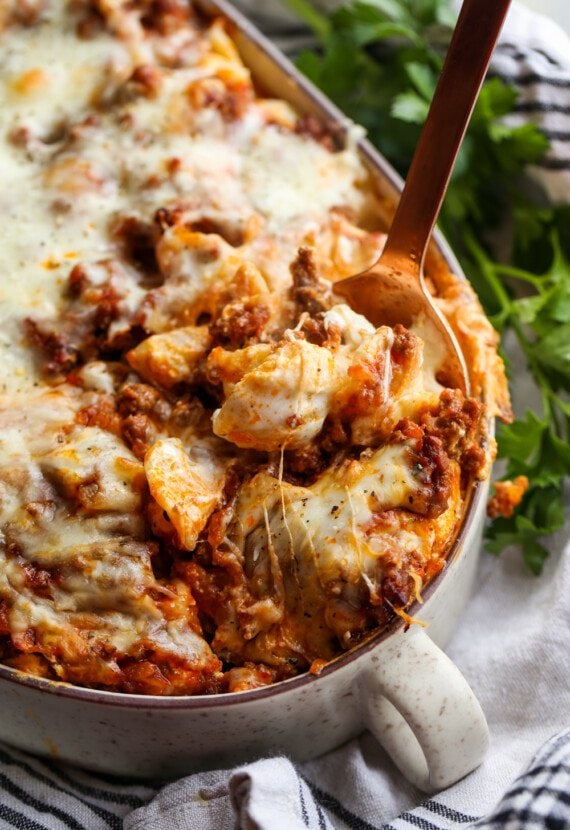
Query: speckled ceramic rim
[378, 166]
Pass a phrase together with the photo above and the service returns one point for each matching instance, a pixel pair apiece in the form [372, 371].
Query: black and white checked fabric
[512, 643]
[537, 64]
[539, 799]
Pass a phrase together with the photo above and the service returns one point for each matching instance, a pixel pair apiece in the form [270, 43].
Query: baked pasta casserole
[213, 474]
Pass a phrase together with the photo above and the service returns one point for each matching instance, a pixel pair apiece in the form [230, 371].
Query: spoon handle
[466, 62]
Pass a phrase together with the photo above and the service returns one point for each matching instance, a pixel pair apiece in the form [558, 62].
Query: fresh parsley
[379, 60]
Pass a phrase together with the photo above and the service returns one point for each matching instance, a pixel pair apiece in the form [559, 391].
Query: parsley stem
[536, 369]
[488, 272]
[508, 317]
[517, 273]
[309, 15]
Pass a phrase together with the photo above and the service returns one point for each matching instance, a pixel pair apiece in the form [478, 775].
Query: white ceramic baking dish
[398, 684]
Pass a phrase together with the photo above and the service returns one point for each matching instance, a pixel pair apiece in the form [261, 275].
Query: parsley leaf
[520, 440]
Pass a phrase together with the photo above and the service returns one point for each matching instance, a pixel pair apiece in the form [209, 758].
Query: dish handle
[420, 708]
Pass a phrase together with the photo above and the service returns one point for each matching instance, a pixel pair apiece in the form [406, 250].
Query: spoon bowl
[393, 290]
[390, 293]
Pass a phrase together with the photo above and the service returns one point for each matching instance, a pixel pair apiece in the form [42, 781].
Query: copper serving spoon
[393, 290]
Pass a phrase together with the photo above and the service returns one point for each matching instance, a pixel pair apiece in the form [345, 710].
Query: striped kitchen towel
[271, 794]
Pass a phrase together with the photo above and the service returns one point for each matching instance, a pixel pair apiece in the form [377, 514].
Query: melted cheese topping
[61, 189]
[203, 457]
